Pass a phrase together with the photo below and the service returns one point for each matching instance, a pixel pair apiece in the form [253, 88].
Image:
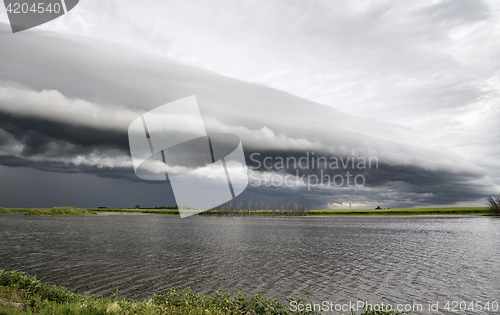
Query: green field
[82, 211]
[48, 211]
[329, 212]
[403, 211]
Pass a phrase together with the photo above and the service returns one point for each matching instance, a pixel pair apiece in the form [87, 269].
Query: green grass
[78, 211]
[22, 294]
[403, 211]
[329, 212]
[47, 211]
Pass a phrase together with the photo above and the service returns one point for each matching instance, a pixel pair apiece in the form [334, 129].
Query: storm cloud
[66, 102]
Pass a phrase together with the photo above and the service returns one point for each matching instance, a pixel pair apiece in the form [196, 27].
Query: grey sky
[415, 84]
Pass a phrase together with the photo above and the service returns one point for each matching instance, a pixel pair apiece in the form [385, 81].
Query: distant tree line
[245, 207]
[163, 207]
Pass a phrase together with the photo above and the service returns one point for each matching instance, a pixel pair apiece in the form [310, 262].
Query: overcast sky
[415, 84]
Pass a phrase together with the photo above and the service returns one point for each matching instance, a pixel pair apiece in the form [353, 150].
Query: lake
[337, 259]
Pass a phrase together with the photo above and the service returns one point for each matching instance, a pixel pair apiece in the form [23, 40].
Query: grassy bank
[22, 294]
[48, 211]
[80, 211]
[329, 212]
[404, 211]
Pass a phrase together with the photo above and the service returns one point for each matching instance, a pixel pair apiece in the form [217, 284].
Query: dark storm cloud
[386, 185]
[28, 187]
[126, 173]
[54, 138]
[391, 195]
[76, 102]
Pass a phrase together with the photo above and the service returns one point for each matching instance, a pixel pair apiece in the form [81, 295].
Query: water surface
[390, 259]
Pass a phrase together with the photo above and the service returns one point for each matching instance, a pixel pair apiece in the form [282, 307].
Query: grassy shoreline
[56, 211]
[446, 211]
[404, 211]
[22, 294]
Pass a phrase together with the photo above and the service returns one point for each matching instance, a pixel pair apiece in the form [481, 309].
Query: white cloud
[422, 64]
[52, 105]
[264, 118]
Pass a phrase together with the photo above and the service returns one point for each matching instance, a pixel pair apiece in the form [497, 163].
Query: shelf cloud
[66, 102]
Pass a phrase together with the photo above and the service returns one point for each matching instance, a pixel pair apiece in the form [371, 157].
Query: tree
[377, 208]
[137, 206]
[494, 204]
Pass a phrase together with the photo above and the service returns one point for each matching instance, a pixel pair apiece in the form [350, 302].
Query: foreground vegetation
[22, 294]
